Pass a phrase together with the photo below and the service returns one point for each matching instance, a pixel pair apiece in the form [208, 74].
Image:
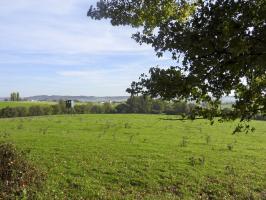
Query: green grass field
[4, 104]
[141, 157]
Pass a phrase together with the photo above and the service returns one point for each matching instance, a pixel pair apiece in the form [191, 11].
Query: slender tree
[17, 96]
[14, 96]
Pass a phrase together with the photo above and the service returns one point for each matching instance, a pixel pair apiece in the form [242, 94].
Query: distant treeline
[132, 105]
[138, 104]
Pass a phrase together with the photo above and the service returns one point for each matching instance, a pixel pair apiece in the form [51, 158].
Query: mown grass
[142, 157]
[4, 104]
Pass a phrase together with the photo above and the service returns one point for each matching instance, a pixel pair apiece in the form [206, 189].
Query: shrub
[19, 179]
[21, 111]
[157, 106]
[55, 109]
[81, 109]
[122, 108]
[47, 110]
[108, 108]
[35, 111]
[97, 109]
[8, 112]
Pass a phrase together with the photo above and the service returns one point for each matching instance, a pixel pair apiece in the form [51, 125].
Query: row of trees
[132, 105]
[14, 96]
[141, 104]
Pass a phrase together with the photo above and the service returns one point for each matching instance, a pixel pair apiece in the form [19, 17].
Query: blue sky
[52, 47]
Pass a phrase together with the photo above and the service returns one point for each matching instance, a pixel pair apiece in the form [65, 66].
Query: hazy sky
[52, 47]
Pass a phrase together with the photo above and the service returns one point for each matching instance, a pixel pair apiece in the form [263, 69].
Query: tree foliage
[219, 47]
[14, 96]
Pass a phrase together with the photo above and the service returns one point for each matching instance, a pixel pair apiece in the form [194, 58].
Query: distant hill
[225, 100]
[77, 98]
[2, 98]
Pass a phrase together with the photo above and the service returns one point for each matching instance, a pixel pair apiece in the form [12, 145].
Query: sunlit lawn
[141, 157]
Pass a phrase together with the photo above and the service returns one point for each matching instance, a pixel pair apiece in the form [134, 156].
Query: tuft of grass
[208, 139]
[127, 125]
[193, 161]
[4, 134]
[230, 147]
[20, 126]
[44, 130]
[184, 141]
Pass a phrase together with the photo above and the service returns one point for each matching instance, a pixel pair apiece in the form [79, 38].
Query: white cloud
[52, 47]
[120, 75]
[77, 73]
[58, 7]
[60, 26]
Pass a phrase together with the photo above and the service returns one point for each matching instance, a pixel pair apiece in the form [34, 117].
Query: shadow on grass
[179, 119]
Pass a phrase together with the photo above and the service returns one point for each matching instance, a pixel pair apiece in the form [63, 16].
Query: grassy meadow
[141, 157]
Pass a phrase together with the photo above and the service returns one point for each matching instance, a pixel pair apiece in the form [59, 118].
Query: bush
[21, 111]
[47, 110]
[19, 179]
[55, 109]
[122, 108]
[157, 106]
[35, 111]
[97, 109]
[81, 109]
[8, 112]
[108, 108]
[179, 108]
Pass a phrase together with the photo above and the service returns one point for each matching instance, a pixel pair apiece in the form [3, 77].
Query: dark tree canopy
[219, 47]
